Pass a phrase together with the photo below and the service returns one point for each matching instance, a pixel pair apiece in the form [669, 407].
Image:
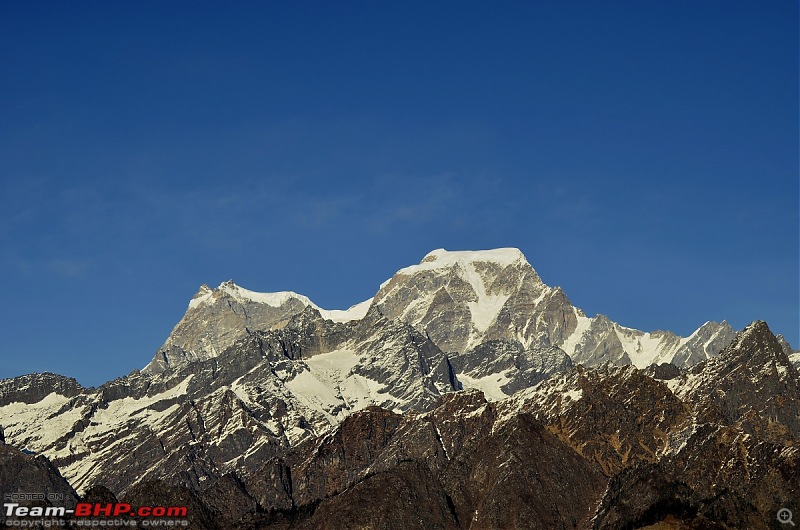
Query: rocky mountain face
[267, 391]
[466, 394]
[217, 318]
[33, 388]
[454, 467]
[794, 355]
[736, 463]
[469, 304]
[500, 368]
[463, 299]
[609, 447]
[602, 448]
[752, 385]
[22, 473]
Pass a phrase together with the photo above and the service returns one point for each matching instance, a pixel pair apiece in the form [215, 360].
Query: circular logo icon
[785, 516]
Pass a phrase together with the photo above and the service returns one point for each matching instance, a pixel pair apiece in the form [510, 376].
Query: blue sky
[643, 156]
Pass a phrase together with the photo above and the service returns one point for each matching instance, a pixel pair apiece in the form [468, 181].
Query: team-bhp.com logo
[121, 509]
[89, 514]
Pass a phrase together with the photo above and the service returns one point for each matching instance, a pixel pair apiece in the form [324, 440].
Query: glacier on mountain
[460, 300]
[244, 375]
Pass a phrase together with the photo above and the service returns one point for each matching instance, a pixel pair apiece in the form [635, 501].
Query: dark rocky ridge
[524, 368]
[32, 388]
[226, 413]
[602, 448]
[458, 300]
[614, 416]
[644, 456]
[24, 473]
[752, 384]
[255, 418]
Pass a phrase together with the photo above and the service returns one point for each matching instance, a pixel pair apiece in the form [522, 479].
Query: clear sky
[643, 156]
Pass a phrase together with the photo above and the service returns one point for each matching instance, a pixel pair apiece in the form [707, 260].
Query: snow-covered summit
[216, 318]
[463, 298]
[459, 299]
[277, 299]
[440, 258]
[458, 296]
[206, 295]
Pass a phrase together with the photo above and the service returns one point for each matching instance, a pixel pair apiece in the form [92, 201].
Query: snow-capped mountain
[473, 305]
[216, 318]
[462, 299]
[246, 378]
[265, 392]
[602, 448]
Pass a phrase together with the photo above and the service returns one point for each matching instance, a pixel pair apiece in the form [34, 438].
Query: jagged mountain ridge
[246, 377]
[23, 473]
[604, 447]
[216, 318]
[266, 392]
[460, 300]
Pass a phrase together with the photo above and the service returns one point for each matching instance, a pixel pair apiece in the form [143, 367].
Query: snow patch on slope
[487, 306]
[584, 324]
[485, 310]
[795, 359]
[329, 387]
[356, 312]
[41, 427]
[38, 425]
[120, 411]
[276, 299]
[490, 385]
[642, 348]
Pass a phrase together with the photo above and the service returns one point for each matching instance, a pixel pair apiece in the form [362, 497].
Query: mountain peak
[202, 292]
[457, 297]
[756, 337]
[752, 353]
[229, 288]
[751, 382]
